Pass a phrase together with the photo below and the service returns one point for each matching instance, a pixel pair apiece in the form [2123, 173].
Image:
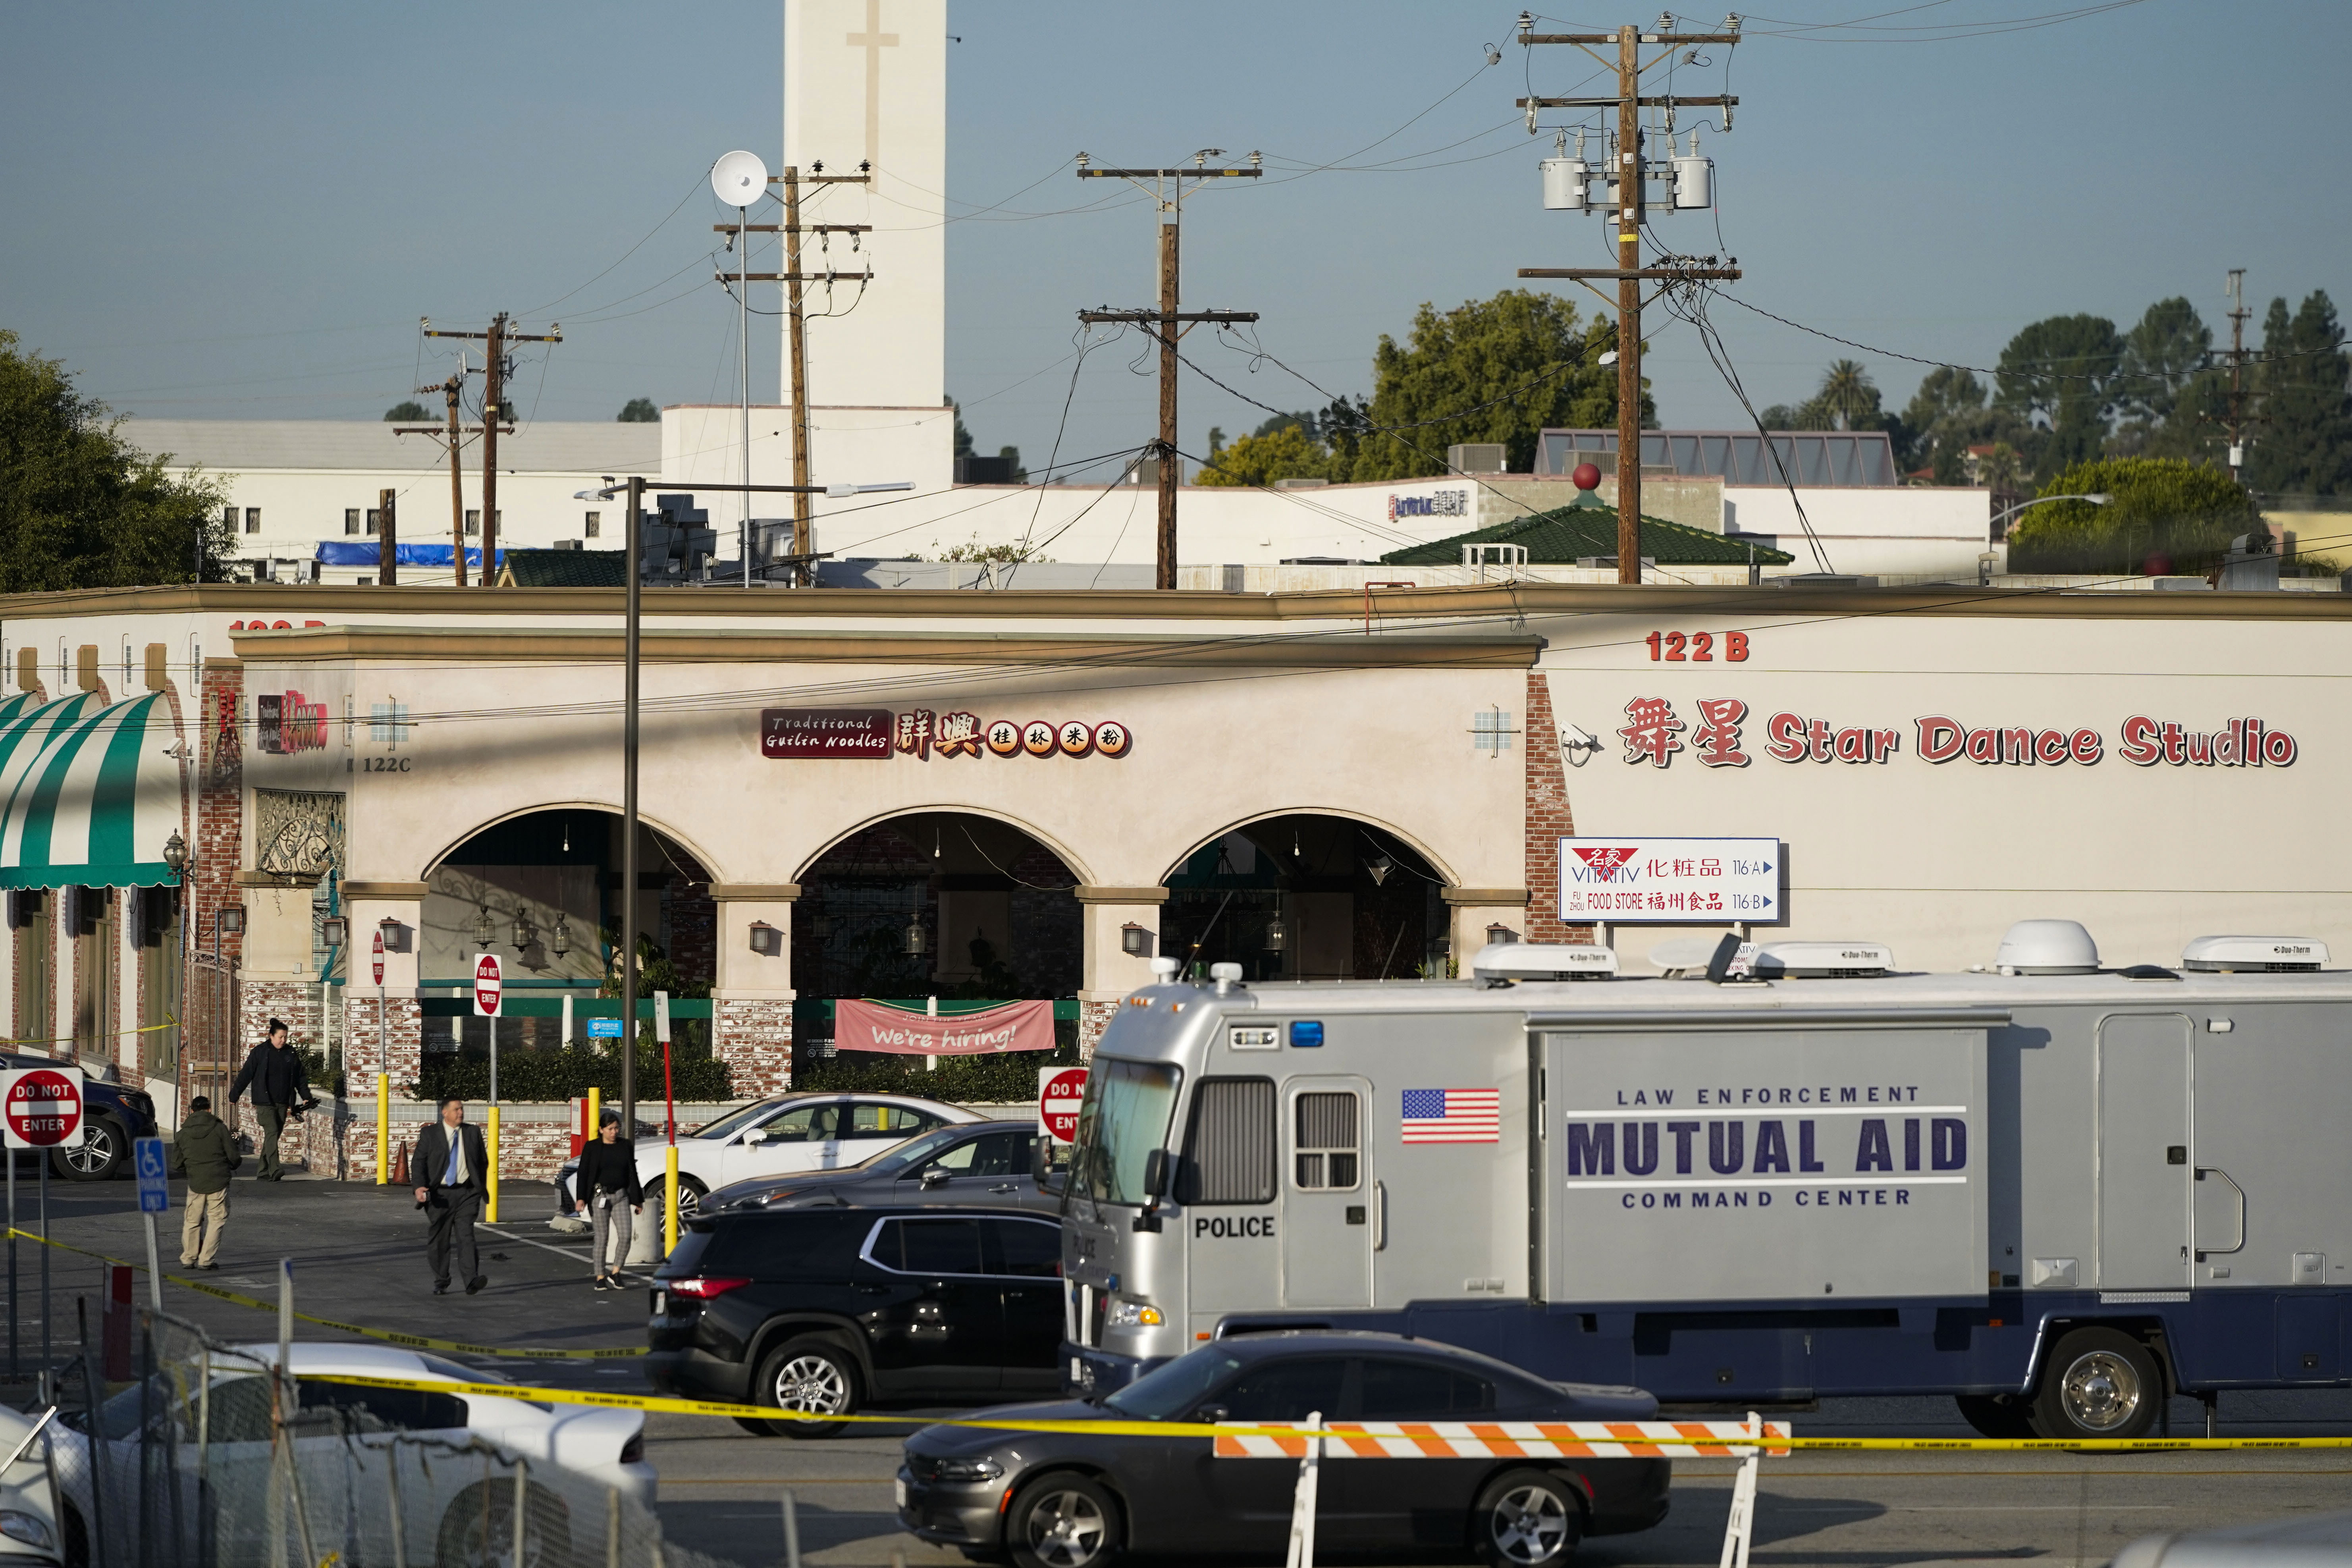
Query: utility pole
[494, 373]
[387, 541]
[1627, 175]
[2237, 422]
[794, 280]
[796, 336]
[452, 436]
[1168, 323]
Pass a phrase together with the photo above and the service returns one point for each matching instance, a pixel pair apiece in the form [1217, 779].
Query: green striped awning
[88, 791]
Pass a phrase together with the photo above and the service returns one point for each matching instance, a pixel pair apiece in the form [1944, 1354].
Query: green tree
[1309, 422]
[79, 507]
[2161, 354]
[962, 436]
[639, 411]
[2061, 369]
[1011, 456]
[408, 413]
[2163, 510]
[2304, 443]
[1288, 453]
[1504, 370]
[1848, 397]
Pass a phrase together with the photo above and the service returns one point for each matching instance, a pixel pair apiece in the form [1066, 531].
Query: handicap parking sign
[147, 1159]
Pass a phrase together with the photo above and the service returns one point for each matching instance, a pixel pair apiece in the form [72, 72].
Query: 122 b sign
[1671, 882]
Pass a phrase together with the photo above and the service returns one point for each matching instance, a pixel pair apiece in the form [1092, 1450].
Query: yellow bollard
[596, 1112]
[669, 1200]
[492, 1138]
[383, 1128]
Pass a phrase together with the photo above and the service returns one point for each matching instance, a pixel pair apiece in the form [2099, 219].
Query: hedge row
[555, 1076]
[964, 1080]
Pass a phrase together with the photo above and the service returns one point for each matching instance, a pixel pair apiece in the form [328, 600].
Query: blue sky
[240, 211]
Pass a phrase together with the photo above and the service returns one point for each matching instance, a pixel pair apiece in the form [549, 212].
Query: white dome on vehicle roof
[2047, 947]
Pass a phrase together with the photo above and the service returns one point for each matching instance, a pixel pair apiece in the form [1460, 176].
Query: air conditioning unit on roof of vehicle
[1543, 961]
[1821, 960]
[2256, 955]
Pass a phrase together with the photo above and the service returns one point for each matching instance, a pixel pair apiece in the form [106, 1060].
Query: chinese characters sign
[1657, 880]
[1713, 735]
[923, 733]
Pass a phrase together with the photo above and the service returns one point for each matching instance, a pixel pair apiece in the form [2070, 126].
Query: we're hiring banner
[1014, 1026]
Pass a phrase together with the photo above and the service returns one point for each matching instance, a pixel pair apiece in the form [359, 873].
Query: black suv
[826, 1310]
[112, 1117]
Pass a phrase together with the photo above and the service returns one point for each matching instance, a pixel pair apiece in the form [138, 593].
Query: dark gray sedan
[984, 1164]
[1076, 1500]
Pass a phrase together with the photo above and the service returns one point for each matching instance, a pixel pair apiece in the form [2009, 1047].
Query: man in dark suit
[452, 1170]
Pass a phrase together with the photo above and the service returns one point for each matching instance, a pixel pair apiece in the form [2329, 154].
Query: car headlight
[967, 1471]
[26, 1527]
[1134, 1315]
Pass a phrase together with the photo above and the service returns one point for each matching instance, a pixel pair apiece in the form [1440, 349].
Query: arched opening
[543, 891]
[1307, 896]
[943, 904]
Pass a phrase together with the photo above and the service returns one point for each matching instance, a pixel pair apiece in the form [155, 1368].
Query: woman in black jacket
[608, 1185]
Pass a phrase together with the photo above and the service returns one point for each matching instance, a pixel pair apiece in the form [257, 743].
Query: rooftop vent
[1821, 959]
[2047, 947]
[1535, 961]
[2256, 955]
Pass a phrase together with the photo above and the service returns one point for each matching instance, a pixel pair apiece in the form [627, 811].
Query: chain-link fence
[207, 1458]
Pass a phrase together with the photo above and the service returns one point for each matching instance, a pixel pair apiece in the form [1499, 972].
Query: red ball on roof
[1587, 475]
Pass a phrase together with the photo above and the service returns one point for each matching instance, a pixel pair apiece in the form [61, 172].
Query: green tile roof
[561, 569]
[1586, 527]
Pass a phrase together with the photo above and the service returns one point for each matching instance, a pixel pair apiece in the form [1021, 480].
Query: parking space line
[579, 1257]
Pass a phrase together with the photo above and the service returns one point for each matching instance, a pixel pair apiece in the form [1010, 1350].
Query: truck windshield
[1126, 1116]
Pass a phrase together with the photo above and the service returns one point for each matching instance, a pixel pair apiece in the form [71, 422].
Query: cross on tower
[874, 41]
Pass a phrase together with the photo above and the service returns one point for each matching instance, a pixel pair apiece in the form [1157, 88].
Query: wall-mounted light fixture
[394, 934]
[1133, 940]
[176, 854]
[230, 921]
[335, 931]
[766, 940]
[1500, 932]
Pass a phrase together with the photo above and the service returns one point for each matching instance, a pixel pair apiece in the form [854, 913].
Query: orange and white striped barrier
[1508, 1440]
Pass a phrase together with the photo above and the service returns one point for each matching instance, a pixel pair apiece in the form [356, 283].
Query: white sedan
[470, 1518]
[30, 1534]
[788, 1134]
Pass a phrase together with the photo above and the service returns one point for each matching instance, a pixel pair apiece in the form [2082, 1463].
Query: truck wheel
[1526, 1518]
[2100, 1383]
[1062, 1522]
[812, 1376]
[1995, 1414]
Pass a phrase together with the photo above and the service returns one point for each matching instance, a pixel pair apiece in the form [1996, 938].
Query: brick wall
[754, 1038]
[1549, 819]
[220, 805]
[403, 1024]
[1094, 1017]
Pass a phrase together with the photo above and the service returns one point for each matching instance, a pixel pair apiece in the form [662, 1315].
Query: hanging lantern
[563, 940]
[483, 931]
[1133, 940]
[1278, 936]
[916, 940]
[525, 934]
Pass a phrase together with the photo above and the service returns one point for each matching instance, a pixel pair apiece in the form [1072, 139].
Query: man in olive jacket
[204, 1151]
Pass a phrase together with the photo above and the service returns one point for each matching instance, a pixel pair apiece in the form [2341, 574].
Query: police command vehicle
[2056, 1190]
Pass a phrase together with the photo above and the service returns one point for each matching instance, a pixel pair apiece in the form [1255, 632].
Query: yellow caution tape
[389, 1336]
[62, 1039]
[1203, 1429]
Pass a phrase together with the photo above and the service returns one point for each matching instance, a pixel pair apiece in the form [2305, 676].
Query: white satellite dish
[739, 179]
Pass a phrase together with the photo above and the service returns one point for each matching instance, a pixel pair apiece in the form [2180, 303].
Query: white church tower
[866, 84]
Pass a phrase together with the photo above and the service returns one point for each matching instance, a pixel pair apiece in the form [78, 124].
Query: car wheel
[1995, 1414]
[1524, 1518]
[2099, 1383]
[1062, 1522]
[478, 1530]
[814, 1377]
[690, 1193]
[104, 1151]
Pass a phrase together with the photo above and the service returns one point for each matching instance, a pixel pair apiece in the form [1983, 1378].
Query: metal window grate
[1228, 1149]
[1326, 1143]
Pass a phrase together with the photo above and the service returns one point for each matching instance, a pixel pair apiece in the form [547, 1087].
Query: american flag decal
[1452, 1116]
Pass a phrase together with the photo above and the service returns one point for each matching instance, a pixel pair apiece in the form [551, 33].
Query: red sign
[43, 1107]
[379, 958]
[1059, 1092]
[1014, 1026]
[824, 731]
[485, 985]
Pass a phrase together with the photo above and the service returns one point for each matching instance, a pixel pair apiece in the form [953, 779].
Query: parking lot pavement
[359, 1256]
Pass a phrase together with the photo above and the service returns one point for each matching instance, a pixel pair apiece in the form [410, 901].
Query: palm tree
[1848, 394]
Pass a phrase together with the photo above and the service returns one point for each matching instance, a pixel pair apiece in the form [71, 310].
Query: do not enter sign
[379, 958]
[43, 1107]
[1059, 1092]
[485, 985]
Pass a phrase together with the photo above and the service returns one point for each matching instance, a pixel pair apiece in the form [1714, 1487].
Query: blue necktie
[449, 1176]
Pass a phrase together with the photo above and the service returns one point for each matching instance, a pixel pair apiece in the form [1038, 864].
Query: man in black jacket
[452, 1170]
[280, 1086]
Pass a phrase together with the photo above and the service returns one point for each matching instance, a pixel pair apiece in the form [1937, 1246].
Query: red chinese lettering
[1717, 739]
[1653, 733]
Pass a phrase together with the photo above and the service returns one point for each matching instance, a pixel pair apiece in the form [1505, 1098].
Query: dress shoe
[440, 1287]
[475, 1283]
